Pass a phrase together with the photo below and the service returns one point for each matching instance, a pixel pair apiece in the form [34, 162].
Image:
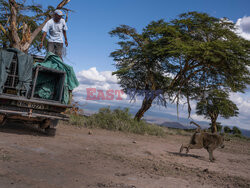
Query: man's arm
[43, 37]
[65, 37]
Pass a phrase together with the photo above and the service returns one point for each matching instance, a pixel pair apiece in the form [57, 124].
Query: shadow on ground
[185, 155]
[21, 129]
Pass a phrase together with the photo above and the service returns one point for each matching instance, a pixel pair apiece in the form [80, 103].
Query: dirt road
[74, 159]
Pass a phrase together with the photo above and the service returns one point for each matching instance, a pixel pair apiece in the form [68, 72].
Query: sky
[90, 45]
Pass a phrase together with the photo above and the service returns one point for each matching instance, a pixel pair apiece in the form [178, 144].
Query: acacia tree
[21, 24]
[141, 72]
[216, 104]
[196, 52]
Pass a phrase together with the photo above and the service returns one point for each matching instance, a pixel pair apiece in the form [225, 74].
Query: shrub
[236, 130]
[117, 120]
[76, 119]
[236, 136]
[227, 129]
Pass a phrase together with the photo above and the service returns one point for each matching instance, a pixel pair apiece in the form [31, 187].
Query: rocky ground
[79, 157]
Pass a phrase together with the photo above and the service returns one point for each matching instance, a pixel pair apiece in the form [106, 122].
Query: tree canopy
[216, 104]
[184, 58]
[21, 23]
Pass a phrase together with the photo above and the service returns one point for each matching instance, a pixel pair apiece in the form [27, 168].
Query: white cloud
[199, 118]
[104, 81]
[92, 76]
[242, 101]
[109, 77]
[243, 27]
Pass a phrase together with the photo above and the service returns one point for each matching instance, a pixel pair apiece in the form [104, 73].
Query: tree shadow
[13, 127]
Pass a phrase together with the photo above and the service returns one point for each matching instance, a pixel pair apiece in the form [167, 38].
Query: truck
[27, 106]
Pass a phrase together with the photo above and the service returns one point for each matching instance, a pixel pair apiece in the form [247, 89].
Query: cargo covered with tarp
[47, 83]
[50, 79]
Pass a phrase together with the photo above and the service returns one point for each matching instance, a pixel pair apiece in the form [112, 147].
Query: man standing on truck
[57, 29]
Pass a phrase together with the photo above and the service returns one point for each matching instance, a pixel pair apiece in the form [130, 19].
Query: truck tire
[3, 121]
[50, 131]
[54, 123]
[49, 123]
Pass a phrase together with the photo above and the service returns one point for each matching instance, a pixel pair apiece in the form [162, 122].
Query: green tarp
[25, 64]
[5, 61]
[47, 83]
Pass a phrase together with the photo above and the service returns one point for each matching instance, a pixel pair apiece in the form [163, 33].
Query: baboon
[201, 139]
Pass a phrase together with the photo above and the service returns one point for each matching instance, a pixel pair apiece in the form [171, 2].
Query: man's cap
[58, 12]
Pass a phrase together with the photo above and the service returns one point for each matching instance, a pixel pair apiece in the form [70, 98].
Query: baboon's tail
[199, 127]
[191, 122]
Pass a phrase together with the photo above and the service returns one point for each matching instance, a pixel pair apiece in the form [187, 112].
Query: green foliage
[31, 14]
[185, 57]
[138, 68]
[236, 131]
[77, 119]
[227, 129]
[236, 137]
[219, 126]
[116, 120]
[216, 104]
[21, 22]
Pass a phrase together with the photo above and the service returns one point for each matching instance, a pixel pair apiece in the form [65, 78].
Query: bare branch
[192, 122]
[26, 46]
[26, 34]
[67, 16]
[2, 28]
[62, 4]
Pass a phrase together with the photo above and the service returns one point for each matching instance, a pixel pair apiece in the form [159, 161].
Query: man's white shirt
[55, 30]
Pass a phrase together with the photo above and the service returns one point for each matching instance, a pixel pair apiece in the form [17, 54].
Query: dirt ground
[74, 159]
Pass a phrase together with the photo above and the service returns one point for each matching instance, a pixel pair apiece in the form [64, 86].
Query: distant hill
[245, 132]
[175, 125]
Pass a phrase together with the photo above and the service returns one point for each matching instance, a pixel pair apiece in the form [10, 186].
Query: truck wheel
[49, 123]
[50, 131]
[3, 121]
[53, 123]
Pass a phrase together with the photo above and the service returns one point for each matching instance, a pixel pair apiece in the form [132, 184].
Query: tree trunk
[146, 104]
[14, 38]
[213, 126]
